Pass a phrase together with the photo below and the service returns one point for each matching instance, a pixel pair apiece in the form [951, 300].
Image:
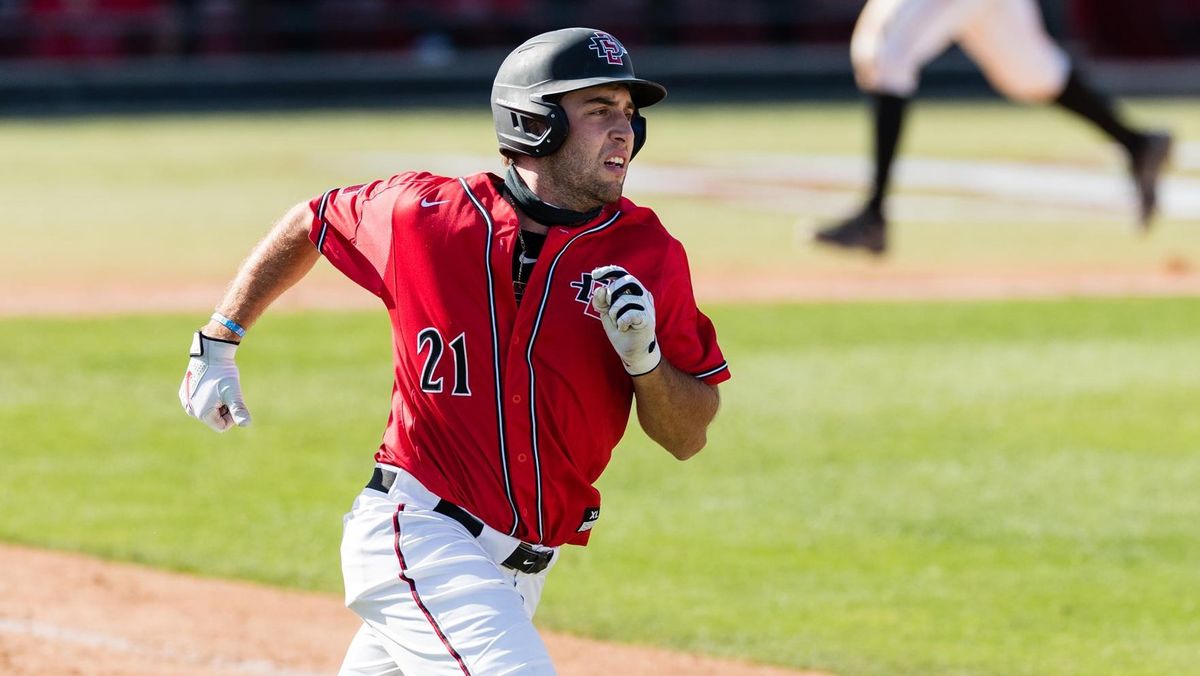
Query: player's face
[589, 169]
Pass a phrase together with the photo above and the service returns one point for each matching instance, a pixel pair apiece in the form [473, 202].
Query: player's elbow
[686, 448]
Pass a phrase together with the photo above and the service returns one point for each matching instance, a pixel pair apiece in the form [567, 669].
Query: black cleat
[1146, 166]
[865, 230]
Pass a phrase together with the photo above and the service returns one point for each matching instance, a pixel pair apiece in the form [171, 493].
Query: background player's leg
[1080, 98]
[1008, 42]
[1147, 151]
[1011, 46]
[867, 229]
[893, 40]
[889, 121]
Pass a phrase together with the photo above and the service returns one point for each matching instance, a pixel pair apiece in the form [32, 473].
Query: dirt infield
[70, 614]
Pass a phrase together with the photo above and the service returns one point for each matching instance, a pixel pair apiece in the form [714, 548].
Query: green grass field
[995, 488]
[906, 488]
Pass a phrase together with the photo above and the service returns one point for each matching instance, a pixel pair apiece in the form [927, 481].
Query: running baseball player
[894, 39]
[528, 313]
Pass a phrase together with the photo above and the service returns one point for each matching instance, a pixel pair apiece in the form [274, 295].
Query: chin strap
[535, 208]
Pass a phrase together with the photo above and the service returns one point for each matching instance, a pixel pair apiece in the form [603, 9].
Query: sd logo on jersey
[586, 286]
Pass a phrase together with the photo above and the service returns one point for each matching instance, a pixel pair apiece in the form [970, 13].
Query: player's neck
[534, 208]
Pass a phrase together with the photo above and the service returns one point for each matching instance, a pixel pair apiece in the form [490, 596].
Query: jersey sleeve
[686, 336]
[352, 228]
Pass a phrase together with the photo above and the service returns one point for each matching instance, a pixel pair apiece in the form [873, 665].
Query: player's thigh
[894, 39]
[436, 601]
[1008, 40]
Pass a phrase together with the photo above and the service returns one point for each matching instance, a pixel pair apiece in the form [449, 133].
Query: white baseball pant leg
[434, 599]
[1008, 40]
[894, 39]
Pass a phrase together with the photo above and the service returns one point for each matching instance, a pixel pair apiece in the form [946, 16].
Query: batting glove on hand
[210, 389]
[626, 309]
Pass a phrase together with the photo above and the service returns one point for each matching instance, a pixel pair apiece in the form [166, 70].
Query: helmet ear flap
[557, 127]
[639, 133]
[531, 133]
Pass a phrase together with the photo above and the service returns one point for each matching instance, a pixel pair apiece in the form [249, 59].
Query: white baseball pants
[434, 600]
[894, 39]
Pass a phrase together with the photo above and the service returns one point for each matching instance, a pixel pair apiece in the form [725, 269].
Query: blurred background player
[894, 39]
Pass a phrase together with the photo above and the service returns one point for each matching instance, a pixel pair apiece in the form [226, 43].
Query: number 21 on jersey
[430, 340]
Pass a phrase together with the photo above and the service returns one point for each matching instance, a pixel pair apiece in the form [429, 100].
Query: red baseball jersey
[510, 411]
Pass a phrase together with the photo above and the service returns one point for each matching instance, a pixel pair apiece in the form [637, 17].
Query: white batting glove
[626, 310]
[210, 389]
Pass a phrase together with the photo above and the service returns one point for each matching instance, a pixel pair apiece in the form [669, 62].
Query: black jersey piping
[537, 323]
[321, 218]
[491, 290]
[712, 371]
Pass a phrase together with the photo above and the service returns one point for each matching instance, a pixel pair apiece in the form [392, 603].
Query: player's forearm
[675, 409]
[280, 260]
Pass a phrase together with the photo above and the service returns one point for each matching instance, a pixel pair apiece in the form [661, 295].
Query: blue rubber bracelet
[229, 324]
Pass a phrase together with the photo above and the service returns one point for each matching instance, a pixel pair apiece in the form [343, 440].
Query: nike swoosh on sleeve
[426, 203]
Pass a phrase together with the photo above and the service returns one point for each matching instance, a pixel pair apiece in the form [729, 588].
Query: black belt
[524, 558]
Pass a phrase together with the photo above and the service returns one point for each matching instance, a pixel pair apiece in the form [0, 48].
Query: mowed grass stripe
[955, 488]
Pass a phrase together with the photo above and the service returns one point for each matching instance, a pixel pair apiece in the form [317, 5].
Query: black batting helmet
[534, 76]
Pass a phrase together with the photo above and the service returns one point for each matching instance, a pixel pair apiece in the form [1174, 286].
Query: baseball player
[528, 313]
[894, 39]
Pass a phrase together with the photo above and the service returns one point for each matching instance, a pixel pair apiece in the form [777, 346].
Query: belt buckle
[529, 560]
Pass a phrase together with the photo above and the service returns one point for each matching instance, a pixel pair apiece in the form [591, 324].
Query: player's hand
[626, 309]
[210, 389]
